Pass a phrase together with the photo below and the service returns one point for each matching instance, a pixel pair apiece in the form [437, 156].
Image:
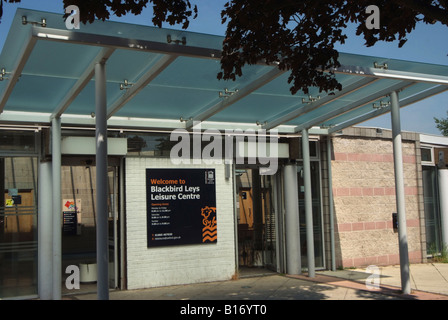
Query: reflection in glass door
[79, 223]
[113, 173]
[257, 242]
[432, 212]
[18, 227]
[270, 243]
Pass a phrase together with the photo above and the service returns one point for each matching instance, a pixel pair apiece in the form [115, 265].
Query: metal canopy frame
[161, 65]
[261, 100]
[85, 78]
[54, 76]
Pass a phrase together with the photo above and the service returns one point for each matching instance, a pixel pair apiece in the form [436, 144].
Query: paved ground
[428, 282]
[430, 278]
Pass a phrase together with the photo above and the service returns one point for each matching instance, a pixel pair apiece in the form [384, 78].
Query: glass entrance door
[432, 213]
[257, 236]
[317, 216]
[270, 221]
[18, 227]
[113, 174]
[79, 223]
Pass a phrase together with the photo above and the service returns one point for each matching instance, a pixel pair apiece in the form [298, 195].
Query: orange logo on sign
[209, 232]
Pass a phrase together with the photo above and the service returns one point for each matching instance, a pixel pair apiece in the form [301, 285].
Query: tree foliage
[442, 125]
[299, 36]
[170, 11]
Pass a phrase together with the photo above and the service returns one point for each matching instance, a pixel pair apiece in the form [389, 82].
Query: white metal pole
[292, 225]
[308, 203]
[443, 196]
[400, 196]
[57, 207]
[45, 232]
[102, 248]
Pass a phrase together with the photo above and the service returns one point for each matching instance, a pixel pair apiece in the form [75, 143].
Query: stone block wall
[364, 198]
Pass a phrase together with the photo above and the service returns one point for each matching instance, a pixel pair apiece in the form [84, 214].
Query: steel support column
[57, 207]
[292, 226]
[102, 248]
[400, 197]
[45, 232]
[308, 203]
[330, 204]
[443, 196]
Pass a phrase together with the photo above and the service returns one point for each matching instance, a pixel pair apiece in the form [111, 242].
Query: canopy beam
[115, 42]
[87, 75]
[318, 103]
[150, 75]
[334, 112]
[17, 71]
[238, 95]
[403, 103]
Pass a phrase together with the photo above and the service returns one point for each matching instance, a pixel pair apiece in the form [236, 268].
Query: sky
[427, 43]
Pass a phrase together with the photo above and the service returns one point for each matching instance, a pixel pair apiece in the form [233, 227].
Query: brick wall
[364, 200]
[175, 264]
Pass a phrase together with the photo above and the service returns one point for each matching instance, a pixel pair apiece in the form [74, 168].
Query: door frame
[117, 275]
[276, 196]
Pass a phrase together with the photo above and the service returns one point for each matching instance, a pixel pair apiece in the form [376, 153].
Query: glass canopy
[161, 78]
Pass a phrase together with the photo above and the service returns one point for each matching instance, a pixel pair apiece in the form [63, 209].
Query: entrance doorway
[79, 221]
[433, 219]
[257, 236]
[318, 235]
[18, 226]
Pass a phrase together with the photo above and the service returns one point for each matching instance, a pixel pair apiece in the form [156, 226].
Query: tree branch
[431, 13]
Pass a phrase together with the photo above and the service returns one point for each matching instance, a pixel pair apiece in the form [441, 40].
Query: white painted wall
[173, 265]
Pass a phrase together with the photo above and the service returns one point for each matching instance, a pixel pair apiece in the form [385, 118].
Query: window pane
[23, 141]
[426, 154]
[18, 227]
[317, 216]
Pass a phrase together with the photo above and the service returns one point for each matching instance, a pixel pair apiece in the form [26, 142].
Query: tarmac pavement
[429, 281]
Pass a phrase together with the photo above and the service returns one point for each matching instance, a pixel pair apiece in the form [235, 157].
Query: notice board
[71, 216]
[181, 207]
